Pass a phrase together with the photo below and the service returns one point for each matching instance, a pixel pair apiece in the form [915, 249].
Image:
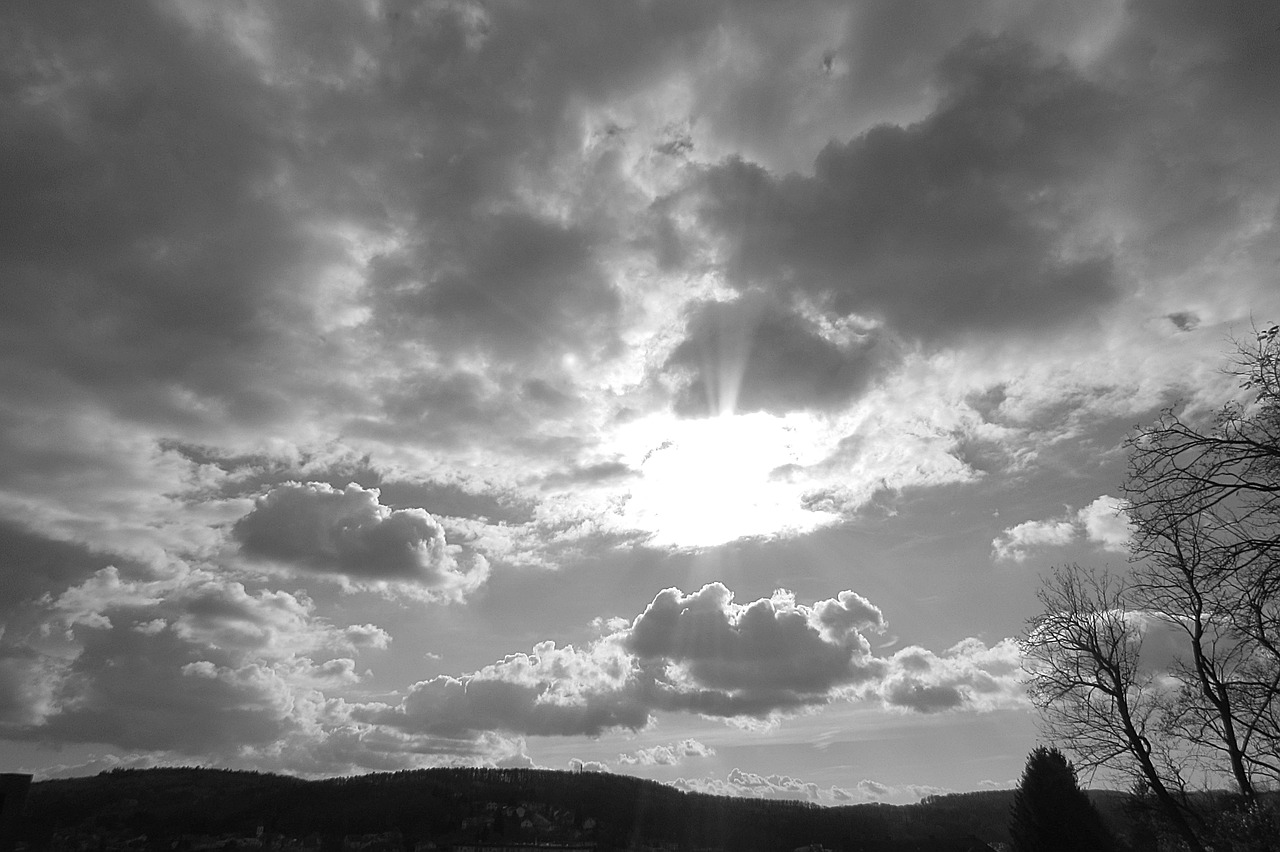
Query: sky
[693, 390]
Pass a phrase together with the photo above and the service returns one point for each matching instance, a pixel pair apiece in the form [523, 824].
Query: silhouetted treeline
[462, 805]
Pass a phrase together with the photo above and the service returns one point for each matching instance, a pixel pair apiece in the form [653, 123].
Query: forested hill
[205, 808]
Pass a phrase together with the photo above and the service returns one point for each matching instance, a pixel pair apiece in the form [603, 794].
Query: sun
[709, 481]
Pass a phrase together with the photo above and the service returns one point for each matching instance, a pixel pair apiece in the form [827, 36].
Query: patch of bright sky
[708, 481]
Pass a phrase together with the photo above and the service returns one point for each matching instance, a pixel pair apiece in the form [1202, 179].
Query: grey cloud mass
[755, 355]
[961, 221]
[342, 345]
[771, 645]
[184, 662]
[315, 527]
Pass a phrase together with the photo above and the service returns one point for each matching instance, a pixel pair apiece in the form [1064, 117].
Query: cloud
[952, 224]
[666, 755]
[968, 676]
[1015, 542]
[512, 284]
[576, 765]
[552, 691]
[847, 613]
[448, 250]
[184, 662]
[315, 527]
[696, 653]
[1105, 523]
[875, 791]
[722, 658]
[366, 636]
[749, 664]
[1102, 522]
[754, 354]
[774, 786]
[26, 686]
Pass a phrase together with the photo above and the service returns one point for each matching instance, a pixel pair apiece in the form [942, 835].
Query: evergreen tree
[1051, 813]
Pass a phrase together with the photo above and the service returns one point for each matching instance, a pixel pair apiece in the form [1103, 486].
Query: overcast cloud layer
[689, 389]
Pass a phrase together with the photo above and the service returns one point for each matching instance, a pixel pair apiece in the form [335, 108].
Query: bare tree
[1082, 656]
[1204, 505]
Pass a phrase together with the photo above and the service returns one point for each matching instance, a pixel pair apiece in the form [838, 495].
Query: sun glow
[709, 481]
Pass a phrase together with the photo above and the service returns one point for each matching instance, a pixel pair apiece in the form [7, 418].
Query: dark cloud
[515, 284]
[770, 645]
[449, 706]
[34, 570]
[32, 566]
[316, 527]
[187, 662]
[952, 224]
[189, 210]
[707, 655]
[146, 690]
[1200, 85]
[753, 354]
[148, 262]
[447, 409]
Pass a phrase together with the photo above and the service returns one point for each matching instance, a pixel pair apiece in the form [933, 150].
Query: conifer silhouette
[1051, 813]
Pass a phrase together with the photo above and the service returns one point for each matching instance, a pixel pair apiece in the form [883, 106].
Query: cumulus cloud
[720, 638]
[968, 676]
[1101, 522]
[698, 653]
[180, 662]
[1017, 541]
[184, 662]
[666, 755]
[578, 765]
[774, 786]
[727, 659]
[1105, 524]
[702, 653]
[316, 527]
[875, 791]
[552, 691]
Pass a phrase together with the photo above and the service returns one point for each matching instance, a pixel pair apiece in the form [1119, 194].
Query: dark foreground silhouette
[182, 810]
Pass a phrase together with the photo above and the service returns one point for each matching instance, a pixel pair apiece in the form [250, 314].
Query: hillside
[205, 808]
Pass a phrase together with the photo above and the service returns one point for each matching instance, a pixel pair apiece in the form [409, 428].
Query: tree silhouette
[1051, 813]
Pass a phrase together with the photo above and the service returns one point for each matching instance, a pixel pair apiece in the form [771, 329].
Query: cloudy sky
[698, 390]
